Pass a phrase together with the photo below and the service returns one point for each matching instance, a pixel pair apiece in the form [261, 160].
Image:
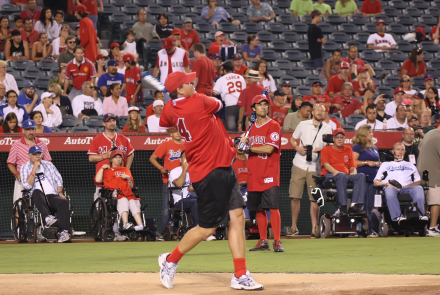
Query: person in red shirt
[175, 34]
[335, 82]
[414, 66]
[188, 34]
[263, 182]
[371, 8]
[245, 99]
[92, 8]
[355, 62]
[338, 164]
[134, 121]
[170, 151]
[204, 69]
[220, 39]
[28, 34]
[435, 32]
[19, 3]
[217, 61]
[362, 82]
[345, 103]
[31, 11]
[239, 68]
[193, 115]
[316, 96]
[278, 112]
[133, 81]
[87, 32]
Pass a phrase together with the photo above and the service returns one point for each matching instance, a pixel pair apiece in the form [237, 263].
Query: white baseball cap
[47, 94]
[157, 102]
[133, 109]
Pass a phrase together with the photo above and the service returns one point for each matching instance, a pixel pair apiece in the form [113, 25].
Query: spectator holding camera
[309, 133]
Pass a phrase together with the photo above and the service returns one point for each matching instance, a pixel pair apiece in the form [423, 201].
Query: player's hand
[301, 150]
[37, 163]
[244, 139]
[240, 129]
[317, 150]
[243, 147]
[106, 166]
[164, 171]
[107, 155]
[18, 176]
[336, 172]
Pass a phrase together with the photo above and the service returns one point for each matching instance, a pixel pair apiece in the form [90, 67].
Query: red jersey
[204, 68]
[132, 78]
[101, 144]
[91, 5]
[335, 84]
[170, 152]
[34, 16]
[88, 38]
[317, 99]
[207, 145]
[368, 7]
[278, 114]
[349, 105]
[215, 47]
[85, 72]
[241, 71]
[112, 180]
[32, 38]
[360, 88]
[357, 61]
[264, 169]
[341, 160]
[241, 170]
[246, 96]
[125, 129]
[411, 69]
[191, 38]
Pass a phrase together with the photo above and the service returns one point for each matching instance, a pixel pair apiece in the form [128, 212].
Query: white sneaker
[245, 282]
[64, 237]
[50, 219]
[424, 218]
[139, 227]
[167, 271]
[210, 238]
[433, 232]
[119, 237]
[128, 225]
[40, 237]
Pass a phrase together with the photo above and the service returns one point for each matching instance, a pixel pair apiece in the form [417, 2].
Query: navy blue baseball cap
[29, 124]
[108, 117]
[30, 84]
[428, 77]
[35, 149]
[112, 62]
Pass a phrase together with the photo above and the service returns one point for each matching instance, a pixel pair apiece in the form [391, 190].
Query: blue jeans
[369, 204]
[318, 62]
[94, 19]
[189, 205]
[341, 179]
[416, 193]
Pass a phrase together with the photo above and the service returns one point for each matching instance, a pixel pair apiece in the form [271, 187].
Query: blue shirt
[24, 101]
[107, 80]
[370, 154]
[264, 10]
[252, 53]
[219, 14]
[47, 129]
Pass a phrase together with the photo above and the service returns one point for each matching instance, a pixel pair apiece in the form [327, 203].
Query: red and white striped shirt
[19, 153]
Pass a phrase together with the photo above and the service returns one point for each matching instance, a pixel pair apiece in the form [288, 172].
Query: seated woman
[60, 80]
[37, 116]
[331, 66]
[414, 66]
[61, 101]
[134, 123]
[115, 103]
[431, 99]
[266, 79]
[251, 49]
[42, 48]
[362, 81]
[116, 176]
[10, 124]
[51, 113]
[12, 106]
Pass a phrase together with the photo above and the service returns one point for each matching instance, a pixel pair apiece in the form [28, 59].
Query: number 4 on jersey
[183, 131]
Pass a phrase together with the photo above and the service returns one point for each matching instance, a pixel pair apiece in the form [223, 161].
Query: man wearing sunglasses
[67, 55]
[338, 164]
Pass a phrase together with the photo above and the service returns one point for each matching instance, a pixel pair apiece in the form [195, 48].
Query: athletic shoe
[139, 227]
[312, 235]
[277, 246]
[356, 210]
[245, 282]
[291, 232]
[433, 232]
[127, 226]
[50, 220]
[210, 238]
[424, 218]
[119, 237]
[399, 219]
[262, 245]
[41, 238]
[161, 238]
[373, 235]
[64, 237]
[167, 271]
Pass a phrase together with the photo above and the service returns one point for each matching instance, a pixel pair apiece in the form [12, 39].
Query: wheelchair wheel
[98, 219]
[424, 231]
[324, 227]
[20, 220]
[181, 231]
[317, 231]
[133, 236]
[167, 234]
[109, 235]
[383, 227]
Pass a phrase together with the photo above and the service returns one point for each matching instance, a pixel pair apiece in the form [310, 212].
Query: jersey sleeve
[161, 150]
[330, 85]
[211, 104]
[197, 67]
[217, 87]
[380, 172]
[185, 60]
[297, 133]
[273, 136]
[12, 157]
[351, 157]
[165, 120]
[370, 40]
[325, 155]
[68, 76]
[93, 148]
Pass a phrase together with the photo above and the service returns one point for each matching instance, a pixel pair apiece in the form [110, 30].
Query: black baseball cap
[316, 83]
[108, 117]
[286, 84]
[280, 93]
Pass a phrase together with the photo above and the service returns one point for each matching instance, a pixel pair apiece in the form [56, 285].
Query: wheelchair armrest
[25, 191]
[318, 178]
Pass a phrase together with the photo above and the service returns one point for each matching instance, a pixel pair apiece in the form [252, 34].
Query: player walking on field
[264, 148]
[209, 153]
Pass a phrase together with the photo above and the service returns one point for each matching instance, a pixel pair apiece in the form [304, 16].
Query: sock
[175, 256]
[262, 224]
[239, 266]
[432, 227]
[275, 220]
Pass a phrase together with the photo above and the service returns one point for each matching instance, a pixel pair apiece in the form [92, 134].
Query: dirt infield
[193, 283]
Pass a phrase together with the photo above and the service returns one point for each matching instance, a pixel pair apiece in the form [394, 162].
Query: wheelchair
[180, 221]
[26, 219]
[104, 214]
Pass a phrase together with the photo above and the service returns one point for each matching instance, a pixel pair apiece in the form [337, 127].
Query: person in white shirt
[51, 113]
[265, 78]
[380, 41]
[407, 176]
[399, 120]
[153, 120]
[87, 104]
[309, 133]
[371, 120]
[7, 79]
[130, 44]
[229, 87]
[47, 24]
[390, 108]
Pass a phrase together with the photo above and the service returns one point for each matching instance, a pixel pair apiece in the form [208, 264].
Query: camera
[309, 150]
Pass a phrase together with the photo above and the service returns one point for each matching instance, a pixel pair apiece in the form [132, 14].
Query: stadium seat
[110, 9]
[327, 28]
[204, 27]
[335, 19]
[396, 55]
[398, 29]
[228, 27]
[331, 46]
[360, 46]
[241, 17]
[21, 82]
[122, 121]
[434, 64]
[144, 3]
[252, 28]
[302, 45]
[405, 20]
[131, 9]
[428, 56]
[191, 3]
[70, 121]
[239, 37]
[280, 45]
[287, 19]
[47, 64]
[277, 10]
[349, 28]
[418, 82]
[340, 37]
[348, 127]
[167, 3]
[82, 129]
[306, 19]
[276, 72]
[119, 3]
[42, 82]
[358, 19]
[57, 130]
[283, 64]
[238, 3]
[265, 36]
[385, 90]
[421, 4]
[429, 46]
[388, 65]
[294, 55]
[298, 73]
[156, 9]
[276, 28]
[398, 4]
[307, 64]
[291, 37]
[94, 121]
[179, 9]
[370, 28]
[293, 81]
[392, 81]
[310, 79]
[391, 11]
[304, 90]
[434, 11]
[362, 37]
[428, 20]
[32, 73]
[404, 46]
[150, 51]
[270, 55]
[300, 28]
[388, 20]
[21, 64]
[413, 11]
[198, 9]
[371, 55]
[10, 8]
[285, 4]
[354, 119]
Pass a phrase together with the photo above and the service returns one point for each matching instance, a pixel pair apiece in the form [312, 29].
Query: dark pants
[61, 205]
[140, 47]
[165, 220]
[359, 186]
[231, 117]
[369, 204]
[318, 62]
[189, 205]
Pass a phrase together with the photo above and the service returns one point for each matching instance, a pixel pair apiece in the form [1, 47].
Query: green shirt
[349, 9]
[301, 7]
[292, 120]
[323, 8]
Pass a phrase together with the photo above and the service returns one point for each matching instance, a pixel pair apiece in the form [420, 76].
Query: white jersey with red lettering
[229, 88]
[264, 169]
[381, 40]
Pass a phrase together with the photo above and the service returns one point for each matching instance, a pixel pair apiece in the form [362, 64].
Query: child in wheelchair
[117, 178]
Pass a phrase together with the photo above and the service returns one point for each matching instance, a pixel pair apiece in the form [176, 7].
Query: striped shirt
[19, 153]
[50, 173]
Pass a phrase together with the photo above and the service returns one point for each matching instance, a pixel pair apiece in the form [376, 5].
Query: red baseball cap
[116, 152]
[338, 130]
[101, 56]
[380, 21]
[174, 80]
[114, 44]
[127, 57]
[81, 8]
[344, 65]
[168, 43]
[362, 69]
[175, 31]
[398, 89]
[258, 99]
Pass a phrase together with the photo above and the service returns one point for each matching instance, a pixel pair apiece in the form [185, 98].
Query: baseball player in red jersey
[218, 193]
[264, 148]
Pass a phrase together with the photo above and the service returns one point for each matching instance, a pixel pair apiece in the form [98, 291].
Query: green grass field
[411, 255]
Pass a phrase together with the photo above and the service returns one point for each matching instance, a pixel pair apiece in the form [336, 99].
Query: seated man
[407, 176]
[46, 190]
[87, 104]
[338, 163]
[345, 102]
[371, 119]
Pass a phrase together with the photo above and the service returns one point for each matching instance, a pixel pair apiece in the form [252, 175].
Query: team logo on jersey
[242, 170]
[257, 140]
[345, 158]
[268, 180]
[275, 136]
[174, 155]
[86, 69]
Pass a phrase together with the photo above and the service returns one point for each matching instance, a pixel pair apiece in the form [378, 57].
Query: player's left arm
[165, 122]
